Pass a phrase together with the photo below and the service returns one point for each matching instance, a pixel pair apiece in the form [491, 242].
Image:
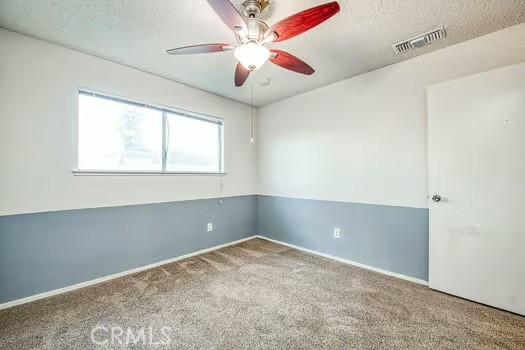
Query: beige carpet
[259, 295]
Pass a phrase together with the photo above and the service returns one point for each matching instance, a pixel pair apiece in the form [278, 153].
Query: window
[118, 136]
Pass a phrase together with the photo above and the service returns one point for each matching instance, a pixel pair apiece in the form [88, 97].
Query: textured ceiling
[357, 40]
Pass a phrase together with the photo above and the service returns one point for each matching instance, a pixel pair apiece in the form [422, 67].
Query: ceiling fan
[253, 34]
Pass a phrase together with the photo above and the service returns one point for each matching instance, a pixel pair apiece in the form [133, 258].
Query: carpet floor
[258, 295]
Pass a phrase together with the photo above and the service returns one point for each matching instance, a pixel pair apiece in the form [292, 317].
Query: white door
[477, 165]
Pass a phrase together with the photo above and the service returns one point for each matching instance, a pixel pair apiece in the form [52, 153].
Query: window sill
[77, 172]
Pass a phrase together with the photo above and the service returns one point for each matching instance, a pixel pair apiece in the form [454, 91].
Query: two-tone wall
[353, 155]
[57, 229]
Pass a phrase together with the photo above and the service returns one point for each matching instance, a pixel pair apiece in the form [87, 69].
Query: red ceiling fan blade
[290, 62]
[241, 74]
[206, 48]
[228, 13]
[303, 21]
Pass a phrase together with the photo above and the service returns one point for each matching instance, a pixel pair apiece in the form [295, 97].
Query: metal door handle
[436, 198]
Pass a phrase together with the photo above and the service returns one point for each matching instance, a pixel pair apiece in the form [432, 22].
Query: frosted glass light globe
[252, 55]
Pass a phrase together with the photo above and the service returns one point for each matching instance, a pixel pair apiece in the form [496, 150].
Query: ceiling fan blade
[206, 48]
[241, 74]
[229, 14]
[303, 21]
[290, 62]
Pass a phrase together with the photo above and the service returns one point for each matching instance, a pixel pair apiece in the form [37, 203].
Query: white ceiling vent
[419, 41]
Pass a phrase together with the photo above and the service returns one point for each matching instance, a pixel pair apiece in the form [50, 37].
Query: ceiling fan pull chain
[252, 138]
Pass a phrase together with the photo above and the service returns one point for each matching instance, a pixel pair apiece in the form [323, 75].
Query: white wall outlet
[337, 232]
[209, 227]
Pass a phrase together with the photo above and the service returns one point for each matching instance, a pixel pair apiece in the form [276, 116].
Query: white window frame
[165, 132]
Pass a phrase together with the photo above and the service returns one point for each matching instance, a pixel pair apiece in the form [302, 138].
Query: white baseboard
[349, 262]
[115, 275]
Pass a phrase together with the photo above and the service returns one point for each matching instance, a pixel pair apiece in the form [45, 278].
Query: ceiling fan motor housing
[256, 30]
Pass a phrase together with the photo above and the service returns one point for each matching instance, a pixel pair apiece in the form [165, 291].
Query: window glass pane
[193, 145]
[115, 135]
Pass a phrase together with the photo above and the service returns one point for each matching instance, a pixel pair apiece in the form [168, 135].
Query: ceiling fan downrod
[254, 8]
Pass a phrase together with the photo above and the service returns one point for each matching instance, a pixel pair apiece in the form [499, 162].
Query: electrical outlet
[209, 228]
[337, 232]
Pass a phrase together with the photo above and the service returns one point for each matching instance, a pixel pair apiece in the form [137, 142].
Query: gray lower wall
[386, 237]
[45, 251]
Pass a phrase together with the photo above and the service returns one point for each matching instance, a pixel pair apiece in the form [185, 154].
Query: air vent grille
[419, 41]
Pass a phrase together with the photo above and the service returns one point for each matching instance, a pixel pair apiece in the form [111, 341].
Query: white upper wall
[38, 111]
[364, 139]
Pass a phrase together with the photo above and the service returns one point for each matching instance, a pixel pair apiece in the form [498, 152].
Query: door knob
[436, 198]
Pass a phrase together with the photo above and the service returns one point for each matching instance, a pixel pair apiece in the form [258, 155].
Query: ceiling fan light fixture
[252, 55]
